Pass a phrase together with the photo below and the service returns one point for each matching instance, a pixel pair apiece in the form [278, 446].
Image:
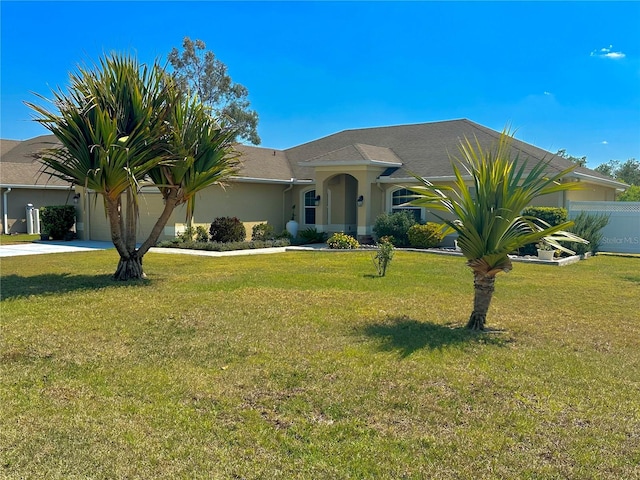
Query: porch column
[321, 209]
[369, 209]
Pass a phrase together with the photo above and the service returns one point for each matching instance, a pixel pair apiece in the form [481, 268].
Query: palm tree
[122, 126]
[489, 224]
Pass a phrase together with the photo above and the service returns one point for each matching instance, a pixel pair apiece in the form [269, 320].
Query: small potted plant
[545, 251]
[292, 225]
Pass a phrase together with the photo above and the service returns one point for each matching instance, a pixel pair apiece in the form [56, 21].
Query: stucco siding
[250, 202]
[17, 200]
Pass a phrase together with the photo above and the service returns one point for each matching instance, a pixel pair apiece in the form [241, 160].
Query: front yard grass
[305, 365]
[18, 238]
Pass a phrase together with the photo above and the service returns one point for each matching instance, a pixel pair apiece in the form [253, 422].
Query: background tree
[606, 168]
[489, 222]
[580, 161]
[627, 172]
[199, 71]
[631, 194]
[123, 125]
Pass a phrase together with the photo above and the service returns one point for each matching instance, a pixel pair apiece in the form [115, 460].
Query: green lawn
[304, 365]
[18, 238]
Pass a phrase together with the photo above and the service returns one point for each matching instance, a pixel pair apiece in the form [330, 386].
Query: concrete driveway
[40, 248]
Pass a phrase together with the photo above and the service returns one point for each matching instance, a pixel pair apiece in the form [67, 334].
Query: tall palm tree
[123, 125]
[486, 212]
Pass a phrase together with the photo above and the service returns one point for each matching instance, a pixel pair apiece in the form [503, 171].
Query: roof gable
[356, 154]
[427, 149]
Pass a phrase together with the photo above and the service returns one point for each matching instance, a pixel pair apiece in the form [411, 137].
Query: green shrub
[394, 225]
[551, 215]
[383, 256]
[223, 247]
[311, 235]
[201, 234]
[187, 235]
[262, 232]
[342, 241]
[588, 226]
[190, 233]
[285, 235]
[57, 220]
[425, 236]
[227, 229]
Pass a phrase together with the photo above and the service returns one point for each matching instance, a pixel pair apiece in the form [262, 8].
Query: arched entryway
[338, 201]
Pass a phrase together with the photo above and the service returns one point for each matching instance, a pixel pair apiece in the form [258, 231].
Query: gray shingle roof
[266, 163]
[20, 167]
[424, 148]
[357, 153]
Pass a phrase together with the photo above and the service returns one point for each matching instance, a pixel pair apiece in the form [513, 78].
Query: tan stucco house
[341, 182]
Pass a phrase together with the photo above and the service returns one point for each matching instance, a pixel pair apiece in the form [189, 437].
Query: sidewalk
[41, 248]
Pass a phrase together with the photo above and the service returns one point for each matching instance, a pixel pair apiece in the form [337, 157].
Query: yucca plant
[489, 224]
[123, 125]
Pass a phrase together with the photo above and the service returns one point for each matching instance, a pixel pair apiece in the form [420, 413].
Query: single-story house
[21, 183]
[341, 182]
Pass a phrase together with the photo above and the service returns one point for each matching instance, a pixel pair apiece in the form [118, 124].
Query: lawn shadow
[406, 335]
[16, 286]
[632, 278]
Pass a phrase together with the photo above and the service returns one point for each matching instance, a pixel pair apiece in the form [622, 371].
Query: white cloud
[548, 93]
[607, 52]
[604, 142]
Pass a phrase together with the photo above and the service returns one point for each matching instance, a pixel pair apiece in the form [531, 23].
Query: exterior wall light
[360, 200]
[317, 200]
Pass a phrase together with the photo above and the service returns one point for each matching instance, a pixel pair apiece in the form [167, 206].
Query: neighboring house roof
[425, 149]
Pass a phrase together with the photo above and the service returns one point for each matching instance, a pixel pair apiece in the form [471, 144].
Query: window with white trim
[310, 207]
[399, 198]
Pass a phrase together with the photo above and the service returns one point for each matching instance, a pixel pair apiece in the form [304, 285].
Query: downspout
[5, 205]
[284, 200]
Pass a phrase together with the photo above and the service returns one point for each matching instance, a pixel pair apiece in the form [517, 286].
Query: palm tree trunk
[483, 292]
[129, 268]
[130, 263]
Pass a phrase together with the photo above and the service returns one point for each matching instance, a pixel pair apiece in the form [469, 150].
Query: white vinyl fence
[622, 234]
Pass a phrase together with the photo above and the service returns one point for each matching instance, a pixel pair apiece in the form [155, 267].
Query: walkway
[41, 248]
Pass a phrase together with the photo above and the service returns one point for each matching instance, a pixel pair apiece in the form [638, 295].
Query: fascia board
[349, 163]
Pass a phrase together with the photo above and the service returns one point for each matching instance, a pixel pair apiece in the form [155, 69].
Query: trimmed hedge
[551, 215]
[394, 225]
[425, 236]
[342, 241]
[57, 220]
[227, 229]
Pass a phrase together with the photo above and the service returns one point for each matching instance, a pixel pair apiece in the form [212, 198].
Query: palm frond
[485, 205]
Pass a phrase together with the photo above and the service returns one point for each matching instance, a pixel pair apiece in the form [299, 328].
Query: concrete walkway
[41, 248]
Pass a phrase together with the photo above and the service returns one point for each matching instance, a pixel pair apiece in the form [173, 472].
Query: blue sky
[564, 75]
